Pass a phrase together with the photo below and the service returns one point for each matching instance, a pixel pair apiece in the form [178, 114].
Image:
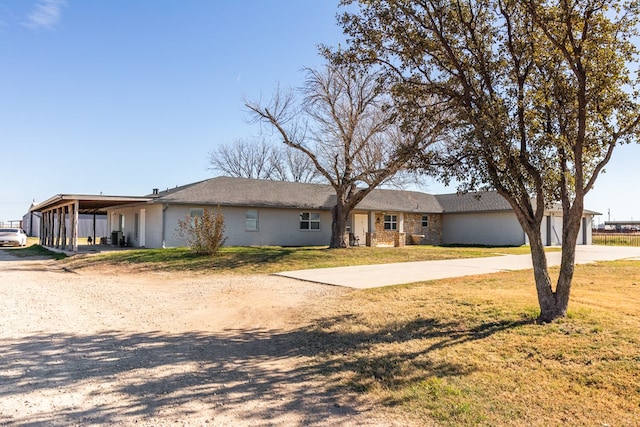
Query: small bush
[205, 234]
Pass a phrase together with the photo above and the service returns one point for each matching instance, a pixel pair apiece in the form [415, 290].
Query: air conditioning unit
[116, 236]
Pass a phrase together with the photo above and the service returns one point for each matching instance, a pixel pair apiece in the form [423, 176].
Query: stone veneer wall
[432, 233]
[412, 225]
[383, 237]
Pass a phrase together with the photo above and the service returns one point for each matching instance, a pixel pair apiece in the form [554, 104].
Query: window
[309, 221]
[196, 213]
[425, 221]
[251, 220]
[390, 222]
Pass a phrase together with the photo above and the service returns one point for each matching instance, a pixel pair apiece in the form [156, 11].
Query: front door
[361, 227]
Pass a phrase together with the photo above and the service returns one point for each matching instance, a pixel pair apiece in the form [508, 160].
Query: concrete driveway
[373, 276]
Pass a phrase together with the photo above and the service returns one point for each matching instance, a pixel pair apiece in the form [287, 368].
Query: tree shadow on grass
[393, 369]
[124, 377]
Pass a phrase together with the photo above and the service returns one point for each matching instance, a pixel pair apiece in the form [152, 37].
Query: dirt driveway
[114, 348]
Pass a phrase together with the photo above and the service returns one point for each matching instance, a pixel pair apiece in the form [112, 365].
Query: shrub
[205, 234]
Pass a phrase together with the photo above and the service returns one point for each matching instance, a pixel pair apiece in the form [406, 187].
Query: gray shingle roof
[228, 191]
[486, 201]
[482, 201]
[400, 201]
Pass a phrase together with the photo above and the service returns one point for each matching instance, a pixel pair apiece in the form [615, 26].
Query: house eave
[248, 204]
[86, 203]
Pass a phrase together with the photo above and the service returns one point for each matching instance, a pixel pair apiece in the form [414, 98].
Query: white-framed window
[425, 221]
[309, 221]
[391, 222]
[196, 212]
[251, 220]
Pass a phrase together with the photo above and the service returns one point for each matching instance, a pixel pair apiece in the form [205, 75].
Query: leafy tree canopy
[537, 96]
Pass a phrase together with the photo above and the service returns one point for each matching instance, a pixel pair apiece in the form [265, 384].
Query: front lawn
[272, 259]
[467, 351]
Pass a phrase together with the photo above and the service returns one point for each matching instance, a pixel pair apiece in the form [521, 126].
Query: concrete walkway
[373, 276]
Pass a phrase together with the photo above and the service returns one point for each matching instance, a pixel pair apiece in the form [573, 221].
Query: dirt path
[106, 348]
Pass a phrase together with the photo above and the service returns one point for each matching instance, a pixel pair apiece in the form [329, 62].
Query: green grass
[467, 351]
[36, 251]
[271, 259]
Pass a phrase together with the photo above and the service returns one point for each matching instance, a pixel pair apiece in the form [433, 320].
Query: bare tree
[243, 159]
[262, 160]
[343, 120]
[293, 165]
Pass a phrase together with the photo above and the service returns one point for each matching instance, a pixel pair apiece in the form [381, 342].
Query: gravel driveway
[118, 348]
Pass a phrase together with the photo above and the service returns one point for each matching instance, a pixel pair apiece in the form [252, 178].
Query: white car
[13, 236]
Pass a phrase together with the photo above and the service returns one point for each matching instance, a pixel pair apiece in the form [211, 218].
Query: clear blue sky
[120, 97]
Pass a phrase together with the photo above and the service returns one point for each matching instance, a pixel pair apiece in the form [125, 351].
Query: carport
[54, 230]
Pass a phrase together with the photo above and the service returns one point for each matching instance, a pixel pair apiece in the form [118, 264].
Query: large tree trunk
[340, 215]
[570, 228]
[549, 309]
[554, 304]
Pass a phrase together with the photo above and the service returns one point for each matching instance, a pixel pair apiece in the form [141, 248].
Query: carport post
[42, 231]
[74, 230]
[58, 231]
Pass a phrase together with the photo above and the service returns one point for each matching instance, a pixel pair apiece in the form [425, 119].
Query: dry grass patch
[468, 352]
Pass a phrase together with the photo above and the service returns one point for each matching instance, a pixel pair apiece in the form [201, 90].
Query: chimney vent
[155, 191]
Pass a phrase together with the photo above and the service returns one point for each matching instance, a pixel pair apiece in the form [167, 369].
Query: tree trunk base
[548, 316]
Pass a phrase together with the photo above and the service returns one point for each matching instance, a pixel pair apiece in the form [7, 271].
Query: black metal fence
[616, 239]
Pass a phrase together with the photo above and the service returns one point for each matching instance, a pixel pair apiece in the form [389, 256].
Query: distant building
[11, 224]
[622, 225]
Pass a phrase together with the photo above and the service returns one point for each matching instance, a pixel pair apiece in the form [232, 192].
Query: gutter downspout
[164, 209]
[557, 237]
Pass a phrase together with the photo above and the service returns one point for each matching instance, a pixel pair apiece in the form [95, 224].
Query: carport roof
[91, 204]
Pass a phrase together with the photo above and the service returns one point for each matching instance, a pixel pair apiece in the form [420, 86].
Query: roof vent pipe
[155, 191]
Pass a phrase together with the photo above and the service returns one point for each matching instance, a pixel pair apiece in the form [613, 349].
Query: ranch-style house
[263, 212]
